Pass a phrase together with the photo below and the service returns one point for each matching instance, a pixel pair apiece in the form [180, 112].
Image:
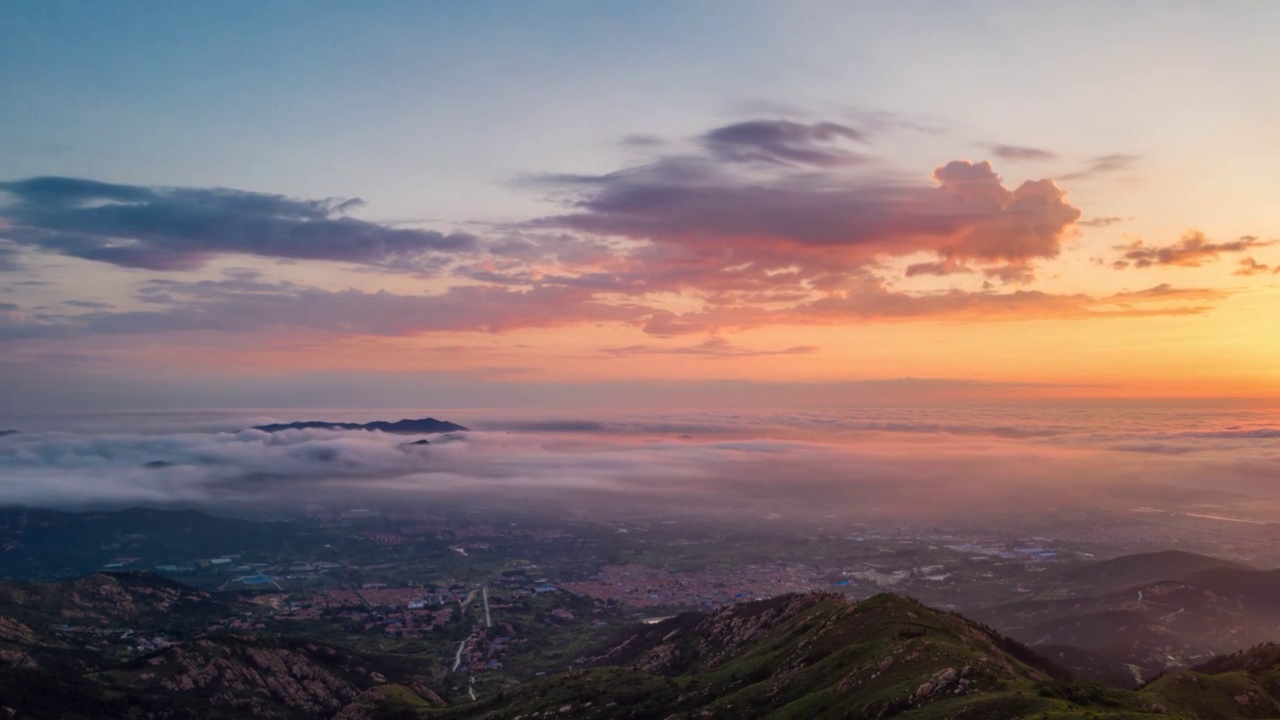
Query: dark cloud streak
[1019, 153]
[183, 228]
[1103, 165]
[712, 347]
[784, 142]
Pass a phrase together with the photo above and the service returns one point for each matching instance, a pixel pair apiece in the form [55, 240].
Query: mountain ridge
[800, 656]
[1138, 569]
[407, 426]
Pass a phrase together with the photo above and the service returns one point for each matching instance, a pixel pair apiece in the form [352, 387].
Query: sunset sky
[391, 204]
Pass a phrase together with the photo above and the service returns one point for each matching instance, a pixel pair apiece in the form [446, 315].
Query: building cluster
[485, 651]
[641, 586]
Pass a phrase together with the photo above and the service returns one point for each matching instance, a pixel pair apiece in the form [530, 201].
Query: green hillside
[813, 657]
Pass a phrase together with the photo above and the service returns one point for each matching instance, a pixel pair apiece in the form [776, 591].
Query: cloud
[1019, 153]
[783, 142]
[968, 213]
[1014, 273]
[712, 347]
[881, 460]
[708, 224]
[1249, 266]
[1165, 291]
[641, 140]
[254, 468]
[246, 305]
[184, 228]
[1192, 250]
[761, 222]
[872, 300]
[8, 253]
[1103, 165]
[938, 268]
[243, 302]
[1102, 221]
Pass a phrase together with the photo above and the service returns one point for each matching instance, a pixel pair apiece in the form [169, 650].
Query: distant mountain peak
[407, 426]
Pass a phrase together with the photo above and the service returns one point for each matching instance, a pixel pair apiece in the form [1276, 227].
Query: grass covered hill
[812, 657]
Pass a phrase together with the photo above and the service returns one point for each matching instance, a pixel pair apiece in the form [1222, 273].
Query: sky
[395, 204]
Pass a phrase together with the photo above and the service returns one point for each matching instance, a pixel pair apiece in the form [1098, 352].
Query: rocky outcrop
[255, 675]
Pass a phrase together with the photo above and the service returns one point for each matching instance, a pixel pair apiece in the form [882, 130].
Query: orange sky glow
[1026, 218]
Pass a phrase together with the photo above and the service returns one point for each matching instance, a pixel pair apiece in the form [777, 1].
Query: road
[457, 657]
[484, 593]
[1177, 610]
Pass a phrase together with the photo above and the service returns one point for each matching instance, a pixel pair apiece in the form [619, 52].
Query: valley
[469, 611]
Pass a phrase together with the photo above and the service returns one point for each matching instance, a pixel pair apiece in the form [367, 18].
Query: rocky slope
[264, 677]
[137, 645]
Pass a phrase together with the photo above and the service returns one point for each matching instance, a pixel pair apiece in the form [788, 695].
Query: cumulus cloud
[967, 213]
[1193, 249]
[708, 224]
[157, 228]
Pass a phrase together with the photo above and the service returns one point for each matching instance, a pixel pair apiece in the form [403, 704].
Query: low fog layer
[939, 462]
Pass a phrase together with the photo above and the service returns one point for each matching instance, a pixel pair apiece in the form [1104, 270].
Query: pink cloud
[1192, 250]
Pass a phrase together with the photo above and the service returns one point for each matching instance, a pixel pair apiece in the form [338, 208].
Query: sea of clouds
[905, 459]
